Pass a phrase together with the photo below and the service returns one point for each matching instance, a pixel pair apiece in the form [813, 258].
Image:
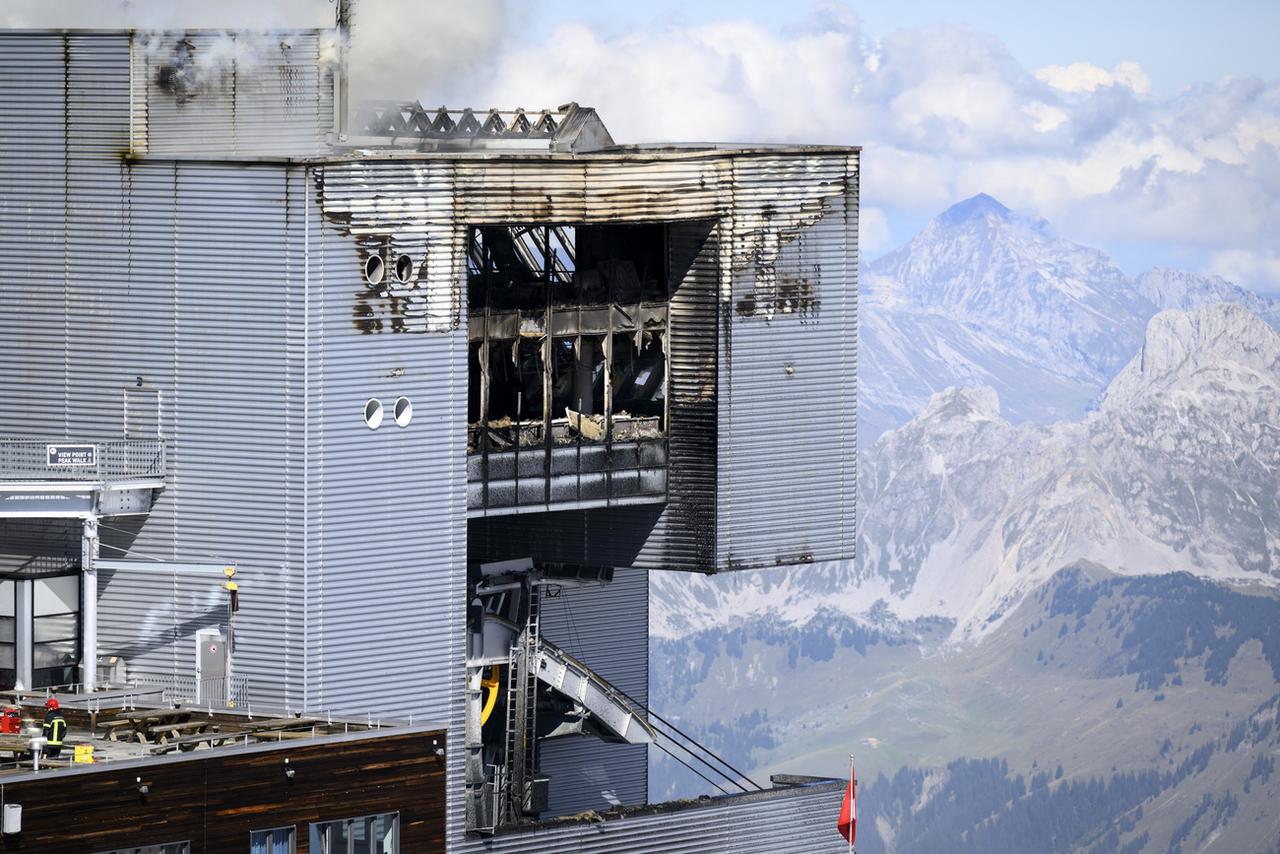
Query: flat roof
[648, 153]
[175, 734]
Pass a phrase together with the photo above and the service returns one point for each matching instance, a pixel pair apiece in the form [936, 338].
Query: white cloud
[873, 230]
[1085, 77]
[942, 112]
[1258, 270]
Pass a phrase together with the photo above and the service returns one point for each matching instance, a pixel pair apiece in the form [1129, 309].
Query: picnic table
[149, 727]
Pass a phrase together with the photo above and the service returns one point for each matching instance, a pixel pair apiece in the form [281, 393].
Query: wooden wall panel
[214, 798]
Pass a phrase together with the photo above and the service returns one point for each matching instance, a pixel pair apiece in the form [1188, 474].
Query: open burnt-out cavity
[568, 329]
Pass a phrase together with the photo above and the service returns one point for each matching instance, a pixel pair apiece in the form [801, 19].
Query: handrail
[31, 459]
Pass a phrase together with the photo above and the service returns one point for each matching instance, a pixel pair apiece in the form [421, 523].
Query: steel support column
[23, 613]
[89, 605]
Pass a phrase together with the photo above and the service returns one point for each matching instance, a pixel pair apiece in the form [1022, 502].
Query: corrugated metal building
[191, 255]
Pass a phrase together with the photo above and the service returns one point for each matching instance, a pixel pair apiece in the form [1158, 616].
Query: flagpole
[853, 792]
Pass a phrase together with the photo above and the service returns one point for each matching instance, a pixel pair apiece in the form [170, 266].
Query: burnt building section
[391, 414]
[568, 331]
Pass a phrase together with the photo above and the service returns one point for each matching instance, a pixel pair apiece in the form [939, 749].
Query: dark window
[55, 632]
[162, 848]
[370, 834]
[277, 840]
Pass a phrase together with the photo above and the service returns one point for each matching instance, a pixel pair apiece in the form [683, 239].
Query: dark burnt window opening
[567, 334]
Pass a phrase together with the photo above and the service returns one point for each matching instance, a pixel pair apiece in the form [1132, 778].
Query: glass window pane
[57, 595]
[7, 656]
[384, 833]
[7, 626]
[8, 588]
[57, 654]
[59, 627]
[360, 836]
[48, 677]
[278, 840]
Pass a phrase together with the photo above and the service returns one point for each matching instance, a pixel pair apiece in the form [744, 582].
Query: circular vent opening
[403, 411]
[375, 269]
[404, 268]
[373, 413]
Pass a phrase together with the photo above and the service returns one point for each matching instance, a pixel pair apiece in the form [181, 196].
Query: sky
[1148, 129]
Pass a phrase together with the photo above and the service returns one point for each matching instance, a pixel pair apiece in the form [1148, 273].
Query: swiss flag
[848, 823]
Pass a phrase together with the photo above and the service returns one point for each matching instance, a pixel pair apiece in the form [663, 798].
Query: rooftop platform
[132, 727]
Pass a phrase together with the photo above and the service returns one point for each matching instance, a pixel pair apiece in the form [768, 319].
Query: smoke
[400, 49]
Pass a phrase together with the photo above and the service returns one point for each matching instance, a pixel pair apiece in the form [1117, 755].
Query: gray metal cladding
[690, 535]
[384, 610]
[791, 821]
[32, 231]
[212, 258]
[788, 352]
[232, 93]
[607, 628]
[172, 284]
[386, 507]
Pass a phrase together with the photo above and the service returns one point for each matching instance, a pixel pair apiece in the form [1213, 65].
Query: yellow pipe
[492, 700]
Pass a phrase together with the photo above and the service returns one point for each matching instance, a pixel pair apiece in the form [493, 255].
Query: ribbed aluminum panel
[218, 248]
[607, 628]
[690, 532]
[788, 349]
[232, 93]
[172, 281]
[385, 610]
[793, 821]
[387, 507]
[33, 223]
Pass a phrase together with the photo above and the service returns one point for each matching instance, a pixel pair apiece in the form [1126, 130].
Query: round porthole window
[373, 413]
[375, 269]
[403, 411]
[404, 268]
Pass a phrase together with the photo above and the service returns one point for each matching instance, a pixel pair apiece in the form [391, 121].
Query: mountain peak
[975, 207]
[1181, 343]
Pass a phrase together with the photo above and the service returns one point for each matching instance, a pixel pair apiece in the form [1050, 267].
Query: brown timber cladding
[213, 799]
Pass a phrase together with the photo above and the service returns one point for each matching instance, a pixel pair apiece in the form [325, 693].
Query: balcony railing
[64, 459]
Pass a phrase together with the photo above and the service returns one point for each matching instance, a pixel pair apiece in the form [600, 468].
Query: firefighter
[54, 729]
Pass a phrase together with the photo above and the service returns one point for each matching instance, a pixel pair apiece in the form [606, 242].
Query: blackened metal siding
[788, 356]
[690, 529]
[607, 628]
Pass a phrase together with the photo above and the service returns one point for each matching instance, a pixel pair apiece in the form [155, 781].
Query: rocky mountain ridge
[985, 296]
[963, 513]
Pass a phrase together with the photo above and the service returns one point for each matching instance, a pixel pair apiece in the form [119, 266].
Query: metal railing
[64, 459]
[231, 692]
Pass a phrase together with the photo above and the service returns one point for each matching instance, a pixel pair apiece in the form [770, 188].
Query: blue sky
[1149, 129]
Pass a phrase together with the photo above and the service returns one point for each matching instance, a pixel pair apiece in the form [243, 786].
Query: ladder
[522, 713]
